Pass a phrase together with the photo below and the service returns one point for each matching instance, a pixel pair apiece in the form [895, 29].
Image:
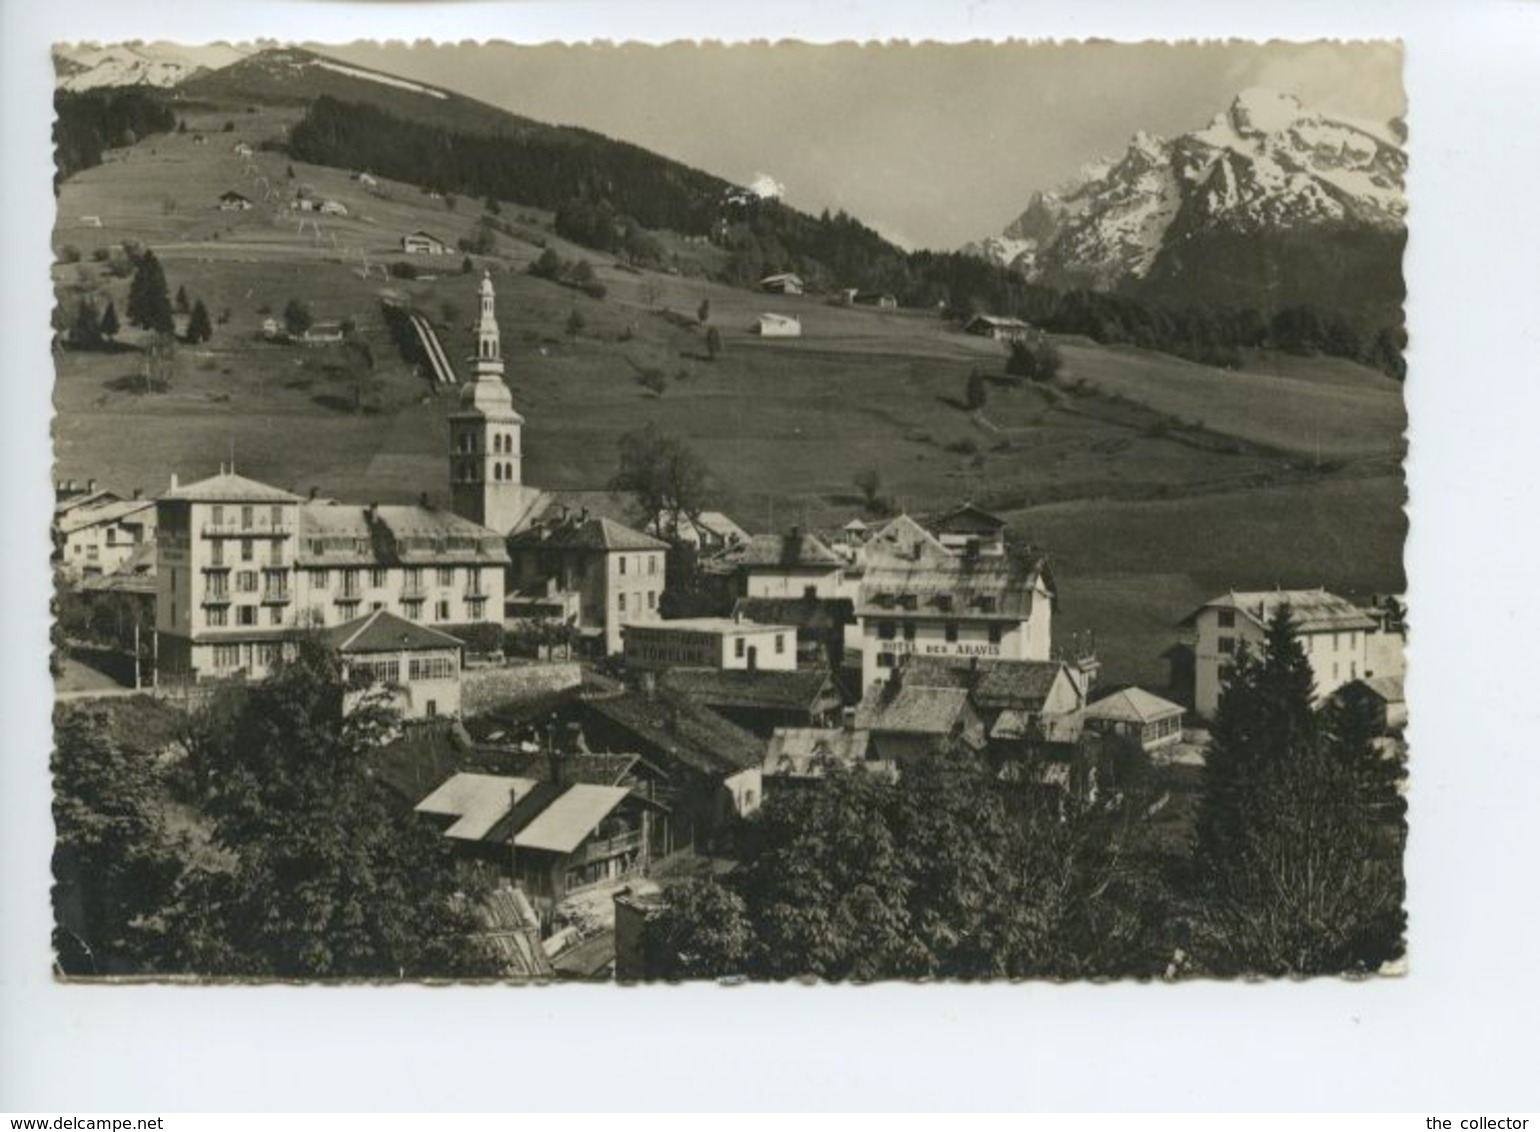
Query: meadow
[1152, 482]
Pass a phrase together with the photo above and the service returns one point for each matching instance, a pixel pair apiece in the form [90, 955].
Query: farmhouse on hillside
[423, 243]
[783, 283]
[778, 326]
[232, 201]
[998, 328]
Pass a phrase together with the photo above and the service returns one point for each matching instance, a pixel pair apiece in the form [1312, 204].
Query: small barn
[999, 328]
[778, 326]
[783, 283]
[423, 243]
[233, 201]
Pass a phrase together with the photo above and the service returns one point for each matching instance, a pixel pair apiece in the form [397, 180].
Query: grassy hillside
[1152, 481]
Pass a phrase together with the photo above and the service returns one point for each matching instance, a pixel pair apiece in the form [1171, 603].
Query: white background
[1457, 1034]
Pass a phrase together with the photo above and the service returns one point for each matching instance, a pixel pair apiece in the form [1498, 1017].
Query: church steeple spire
[486, 479]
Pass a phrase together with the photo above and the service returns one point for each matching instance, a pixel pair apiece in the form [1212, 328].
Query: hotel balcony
[277, 596]
[216, 597]
[256, 530]
[414, 591]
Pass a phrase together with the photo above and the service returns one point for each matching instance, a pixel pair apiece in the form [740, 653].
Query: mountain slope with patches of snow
[1265, 171]
[88, 66]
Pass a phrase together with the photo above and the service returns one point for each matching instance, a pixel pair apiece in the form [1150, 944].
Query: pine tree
[149, 306]
[181, 300]
[1298, 847]
[86, 333]
[199, 328]
[109, 325]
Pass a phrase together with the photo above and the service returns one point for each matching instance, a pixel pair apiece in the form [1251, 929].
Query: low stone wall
[483, 689]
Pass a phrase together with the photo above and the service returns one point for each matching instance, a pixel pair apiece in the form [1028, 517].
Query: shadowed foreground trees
[304, 867]
[950, 875]
[1298, 854]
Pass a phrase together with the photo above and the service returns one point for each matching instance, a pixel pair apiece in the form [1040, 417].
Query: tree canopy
[664, 475]
[1299, 836]
[149, 306]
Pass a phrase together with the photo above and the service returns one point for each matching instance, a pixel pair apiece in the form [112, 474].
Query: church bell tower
[486, 479]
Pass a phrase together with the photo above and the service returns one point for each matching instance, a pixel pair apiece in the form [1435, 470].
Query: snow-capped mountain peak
[1265, 164]
[85, 66]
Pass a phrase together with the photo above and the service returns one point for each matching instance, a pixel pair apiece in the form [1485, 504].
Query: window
[441, 611]
[995, 633]
[885, 630]
[246, 581]
[431, 668]
[320, 579]
[217, 555]
[1334, 672]
[476, 607]
[1352, 670]
[446, 575]
[275, 615]
[275, 516]
[217, 617]
[430, 709]
[885, 660]
[652, 599]
[739, 646]
[412, 609]
[1227, 645]
[780, 643]
[622, 603]
[1227, 618]
[217, 515]
[908, 630]
[379, 578]
[376, 605]
[275, 552]
[622, 565]
[652, 564]
[227, 656]
[951, 630]
[248, 513]
[809, 592]
[1336, 641]
[247, 550]
[92, 552]
[112, 536]
[246, 615]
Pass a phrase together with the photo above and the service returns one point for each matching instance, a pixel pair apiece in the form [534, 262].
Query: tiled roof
[969, 519]
[227, 487]
[805, 613]
[675, 726]
[788, 551]
[108, 511]
[989, 586]
[383, 631]
[342, 534]
[1133, 705]
[590, 534]
[996, 685]
[913, 710]
[1313, 611]
[800, 690]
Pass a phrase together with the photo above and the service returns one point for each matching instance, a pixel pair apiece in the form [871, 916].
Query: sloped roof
[597, 533]
[969, 519]
[724, 625]
[107, 511]
[674, 725]
[785, 551]
[996, 685]
[913, 710]
[383, 631]
[799, 690]
[569, 818]
[1313, 611]
[1133, 705]
[999, 321]
[988, 586]
[477, 802]
[406, 534]
[803, 613]
[903, 539]
[228, 487]
[1391, 689]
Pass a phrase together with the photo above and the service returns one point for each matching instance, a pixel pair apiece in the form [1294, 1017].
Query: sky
[931, 144]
